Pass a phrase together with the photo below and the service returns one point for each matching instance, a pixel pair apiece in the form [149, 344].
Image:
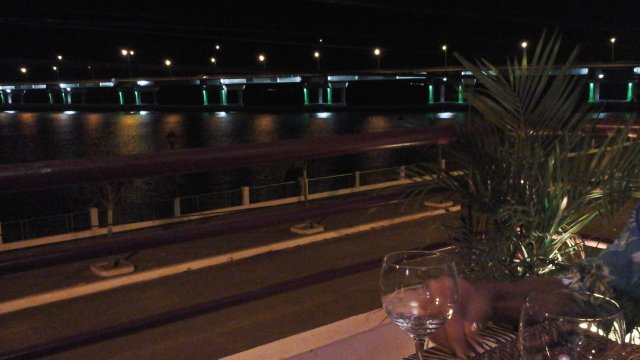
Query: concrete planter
[307, 229]
[106, 268]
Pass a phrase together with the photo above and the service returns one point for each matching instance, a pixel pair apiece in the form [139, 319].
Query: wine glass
[570, 325]
[418, 291]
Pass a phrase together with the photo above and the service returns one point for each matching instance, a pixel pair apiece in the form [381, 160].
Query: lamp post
[167, 64]
[214, 62]
[263, 60]
[524, 45]
[127, 53]
[444, 49]
[24, 72]
[316, 55]
[57, 71]
[377, 53]
[613, 47]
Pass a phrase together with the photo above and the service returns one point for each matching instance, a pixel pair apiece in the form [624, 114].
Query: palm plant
[534, 169]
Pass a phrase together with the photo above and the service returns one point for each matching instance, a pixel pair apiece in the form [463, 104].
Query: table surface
[355, 338]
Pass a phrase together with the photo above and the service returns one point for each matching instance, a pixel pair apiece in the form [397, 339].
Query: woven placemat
[495, 342]
[501, 343]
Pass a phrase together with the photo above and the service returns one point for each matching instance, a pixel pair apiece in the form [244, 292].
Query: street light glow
[23, 70]
[444, 47]
[613, 40]
[524, 44]
[55, 68]
[213, 60]
[167, 62]
[316, 54]
[376, 52]
[261, 58]
[59, 57]
[217, 47]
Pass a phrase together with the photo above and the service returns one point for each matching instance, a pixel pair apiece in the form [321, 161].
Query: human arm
[482, 301]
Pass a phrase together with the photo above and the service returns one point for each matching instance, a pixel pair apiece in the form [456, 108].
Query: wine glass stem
[419, 343]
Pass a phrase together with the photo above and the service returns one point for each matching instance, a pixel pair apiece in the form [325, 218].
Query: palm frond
[534, 170]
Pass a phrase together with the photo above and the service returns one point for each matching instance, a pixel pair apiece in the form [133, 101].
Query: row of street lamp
[262, 59]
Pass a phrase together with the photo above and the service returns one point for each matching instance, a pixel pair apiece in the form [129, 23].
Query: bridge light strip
[233, 81]
[106, 84]
[144, 82]
[289, 79]
[342, 77]
[592, 92]
[636, 70]
[629, 92]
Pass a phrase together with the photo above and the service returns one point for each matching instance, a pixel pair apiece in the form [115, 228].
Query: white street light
[316, 55]
[613, 45]
[127, 53]
[444, 49]
[167, 64]
[263, 60]
[377, 53]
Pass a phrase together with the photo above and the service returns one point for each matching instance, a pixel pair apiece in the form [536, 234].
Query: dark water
[27, 137]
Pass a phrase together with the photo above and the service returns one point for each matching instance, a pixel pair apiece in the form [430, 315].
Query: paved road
[291, 306]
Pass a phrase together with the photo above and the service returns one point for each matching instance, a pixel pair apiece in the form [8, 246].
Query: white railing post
[441, 161]
[305, 186]
[177, 211]
[403, 172]
[246, 196]
[357, 181]
[93, 217]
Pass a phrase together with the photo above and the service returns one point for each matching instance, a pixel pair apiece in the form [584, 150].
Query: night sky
[410, 33]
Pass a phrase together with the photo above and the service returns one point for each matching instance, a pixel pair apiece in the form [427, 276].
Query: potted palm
[534, 170]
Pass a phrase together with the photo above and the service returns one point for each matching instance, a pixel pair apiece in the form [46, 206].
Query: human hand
[473, 308]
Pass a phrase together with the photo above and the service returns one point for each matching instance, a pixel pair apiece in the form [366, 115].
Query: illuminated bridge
[606, 83]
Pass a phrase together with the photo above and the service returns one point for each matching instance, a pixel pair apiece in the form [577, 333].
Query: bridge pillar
[594, 91]
[73, 94]
[205, 96]
[314, 88]
[5, 96]
[442, 91]
[139, 94]
[238, 89]
[341, 92]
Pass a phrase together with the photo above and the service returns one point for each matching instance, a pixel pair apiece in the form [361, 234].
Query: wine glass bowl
[418, 292]
[570, 325]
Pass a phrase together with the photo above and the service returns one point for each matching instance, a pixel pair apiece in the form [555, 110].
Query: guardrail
[75, 225]
[58, 173]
